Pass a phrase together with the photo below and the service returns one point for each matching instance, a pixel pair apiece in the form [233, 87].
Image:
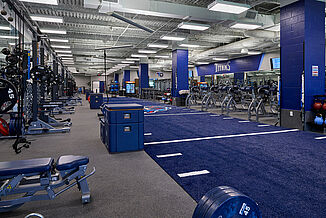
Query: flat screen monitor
[130, 88]
[276, 63]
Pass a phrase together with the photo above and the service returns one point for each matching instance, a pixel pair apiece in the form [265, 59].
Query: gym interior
[162, 108]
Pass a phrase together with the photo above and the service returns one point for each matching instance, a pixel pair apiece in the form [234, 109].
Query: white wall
[82, 80]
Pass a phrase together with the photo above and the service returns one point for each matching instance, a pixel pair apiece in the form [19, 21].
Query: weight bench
[27, 177]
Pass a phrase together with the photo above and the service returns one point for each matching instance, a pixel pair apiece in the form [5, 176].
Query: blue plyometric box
[124, 124]
[96, 101]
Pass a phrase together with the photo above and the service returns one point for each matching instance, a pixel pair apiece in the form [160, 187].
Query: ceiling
[87, 29]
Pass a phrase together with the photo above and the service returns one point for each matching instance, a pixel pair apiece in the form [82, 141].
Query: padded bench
[31, 176]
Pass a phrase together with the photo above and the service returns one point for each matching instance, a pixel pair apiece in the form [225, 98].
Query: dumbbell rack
[320, 111]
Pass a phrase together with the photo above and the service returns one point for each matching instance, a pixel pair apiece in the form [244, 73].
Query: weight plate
[235, 205]
[9, 95]
[203, 204]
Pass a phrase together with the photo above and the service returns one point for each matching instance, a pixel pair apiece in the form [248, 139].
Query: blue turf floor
[284, 173]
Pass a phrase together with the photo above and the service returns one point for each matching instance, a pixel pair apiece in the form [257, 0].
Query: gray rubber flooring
[124, 185]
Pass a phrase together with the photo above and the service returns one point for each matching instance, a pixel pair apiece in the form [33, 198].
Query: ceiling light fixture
[190, 45]
[59, 40]
[54, 31]
[220, 59]
[162, 56]
[127, 62]
[254, 52]
[5, 28]
[154, 45]
[63, 51]
[138, 56]
[193, 26]
[134, 67]
[202, 63]
[65, 55]
[173, 38]
[48, 2]
[8, 37]
[60, 46]
[43, 18]
[146, 51]
[228, 7]
[246, 26]
[132, 59]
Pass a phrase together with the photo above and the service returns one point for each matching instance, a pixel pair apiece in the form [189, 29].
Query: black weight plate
[234, 205]
[206, 200]
[213, 199]
[9, 95]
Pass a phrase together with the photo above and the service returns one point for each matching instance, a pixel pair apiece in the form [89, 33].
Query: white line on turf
[221, 137]
[194, 173]
[179, 114]
[263, 125]
[148, 134]
[244, 121]
[228, 118]
[168, 155]
[320, 138]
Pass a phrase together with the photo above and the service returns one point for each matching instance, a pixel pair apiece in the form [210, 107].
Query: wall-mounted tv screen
[275, 63]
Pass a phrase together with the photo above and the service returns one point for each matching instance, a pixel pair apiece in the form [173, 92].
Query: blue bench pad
[71, 161]
[39, 165]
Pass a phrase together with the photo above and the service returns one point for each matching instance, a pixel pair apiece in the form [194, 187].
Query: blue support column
[202, 79]
[126, 75]
[302, 49]
[143, 77]
[116, 77]
[180, 74]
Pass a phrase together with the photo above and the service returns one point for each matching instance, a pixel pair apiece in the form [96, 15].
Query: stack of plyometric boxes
[123, 127]
[96, 100]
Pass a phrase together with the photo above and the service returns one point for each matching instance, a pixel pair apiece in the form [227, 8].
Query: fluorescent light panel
[51, 19]
[193, 26]
[154, 45]
[63, 51]
[59, 40]
[60, 46]
[134, 67]
[173, 38]
[12, 43]
[8, 37]
[190, 45]
[48, 2]
[246, 26]
[138, 56]
[220, 59]
[132, 59]
[65, 55]
[54, 31]
[228, 7]
[127, 62]
[202, 63]
[162, 56]
[254, 52]
[146, 51]
[5, 28]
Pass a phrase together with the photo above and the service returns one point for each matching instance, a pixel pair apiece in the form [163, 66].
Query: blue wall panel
[116, 77]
